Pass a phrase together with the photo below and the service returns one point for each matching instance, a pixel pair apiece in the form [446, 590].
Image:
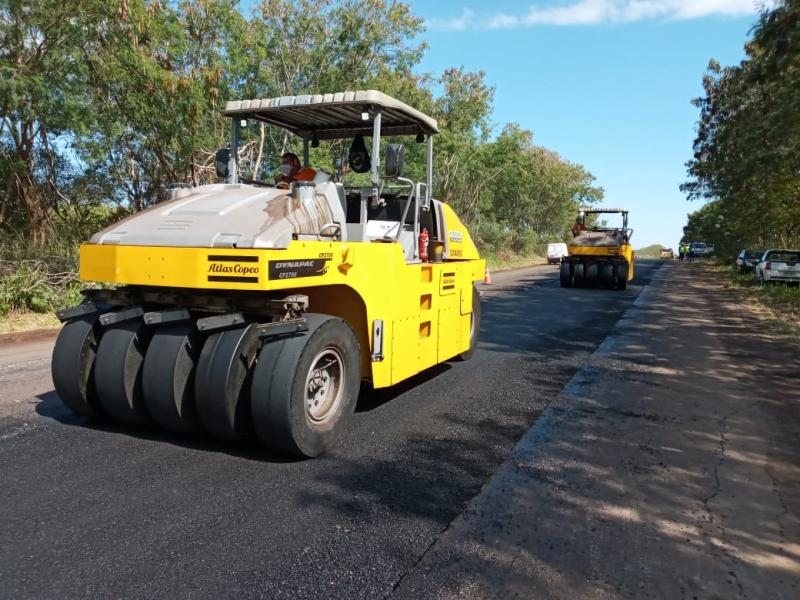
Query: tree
[111, 104]
[747, 150]
[42, 97]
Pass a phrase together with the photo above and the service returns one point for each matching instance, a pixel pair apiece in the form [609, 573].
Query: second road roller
[599, 254]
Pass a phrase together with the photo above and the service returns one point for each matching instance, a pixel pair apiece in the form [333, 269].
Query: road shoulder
[665, 468]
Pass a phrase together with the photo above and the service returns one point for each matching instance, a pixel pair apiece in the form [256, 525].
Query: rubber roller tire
[592, 273]
[607, 275]
[283, 415]
[72, 365]
[578, 278]
[222, 380]
[118, 371]
[168, 377]
[565, 275]
[621, 270]
[474, 325]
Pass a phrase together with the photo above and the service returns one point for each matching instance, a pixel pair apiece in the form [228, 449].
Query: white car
[555, 252]
[779, 265]
[698, 249]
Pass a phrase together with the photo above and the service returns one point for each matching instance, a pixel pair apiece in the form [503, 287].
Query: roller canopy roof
[596, 211]
[334, 116]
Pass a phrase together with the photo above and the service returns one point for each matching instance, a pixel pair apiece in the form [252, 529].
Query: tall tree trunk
[32, 201]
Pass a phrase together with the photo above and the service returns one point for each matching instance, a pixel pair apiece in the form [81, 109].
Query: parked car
[747, 260]
[698, 249]
[555, 252]
[779, 265]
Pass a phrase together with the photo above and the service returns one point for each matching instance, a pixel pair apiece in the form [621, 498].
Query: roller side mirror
[222, 159]
[393, 163]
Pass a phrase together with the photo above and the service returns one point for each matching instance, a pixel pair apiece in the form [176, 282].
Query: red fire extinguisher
[423, 245]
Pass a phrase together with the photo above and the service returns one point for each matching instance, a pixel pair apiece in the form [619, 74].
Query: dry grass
[779, 304]
[26, 321]
[504, 262]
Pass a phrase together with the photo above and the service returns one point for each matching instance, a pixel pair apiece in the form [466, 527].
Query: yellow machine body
[593, 253]
[425, 307]
[244, 309]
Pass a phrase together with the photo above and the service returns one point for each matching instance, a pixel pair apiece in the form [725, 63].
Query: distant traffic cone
[487, 277]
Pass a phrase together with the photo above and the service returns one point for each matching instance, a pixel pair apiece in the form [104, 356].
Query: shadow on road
[50, 406]
[688, 463]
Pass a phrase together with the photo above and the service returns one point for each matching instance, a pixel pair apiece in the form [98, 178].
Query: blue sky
[606, 83]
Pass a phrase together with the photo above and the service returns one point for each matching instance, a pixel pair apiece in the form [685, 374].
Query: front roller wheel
[474, 326]
[305, 388]
[221, 381]
[72, 366]
[118, 371]
[168, 377]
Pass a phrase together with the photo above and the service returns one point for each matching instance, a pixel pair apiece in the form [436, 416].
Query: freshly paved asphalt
[100, 511]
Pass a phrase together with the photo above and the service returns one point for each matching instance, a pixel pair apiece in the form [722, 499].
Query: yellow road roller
[599, 255]
[247, 310]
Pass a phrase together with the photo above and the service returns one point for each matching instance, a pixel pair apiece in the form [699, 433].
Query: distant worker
[682, 252]
[578, 227]
[292, 170]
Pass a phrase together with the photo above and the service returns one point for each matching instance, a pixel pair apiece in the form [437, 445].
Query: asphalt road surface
[89, 510]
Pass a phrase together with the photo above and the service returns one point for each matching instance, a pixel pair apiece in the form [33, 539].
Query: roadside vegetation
[746, 163]
[781, 301]
[747, 152]
[653, 251]
[32, 285]
[106, 105]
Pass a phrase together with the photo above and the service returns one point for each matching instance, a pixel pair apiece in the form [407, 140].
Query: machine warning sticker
[233, 269]
[456, 236]
[293, 269]
[447, 284]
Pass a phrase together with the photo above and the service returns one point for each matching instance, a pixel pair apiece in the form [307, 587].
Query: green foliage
[653, 251]
[105, 105]
[747, 151]
[71, 226]
[28, 285]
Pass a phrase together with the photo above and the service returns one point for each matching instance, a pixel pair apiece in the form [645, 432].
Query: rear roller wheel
[592, 273]
[73, 362]
[474, 326]
[222, 380]
[118, 371]
[578, 275]
[168, 377]
[622, 275]
[565, 275]
[305, 387]
[607, 275]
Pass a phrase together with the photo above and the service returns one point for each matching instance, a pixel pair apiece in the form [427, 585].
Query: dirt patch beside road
[777, 304]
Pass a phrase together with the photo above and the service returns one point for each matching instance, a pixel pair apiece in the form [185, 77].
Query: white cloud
[593, 12]
[466, 20]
